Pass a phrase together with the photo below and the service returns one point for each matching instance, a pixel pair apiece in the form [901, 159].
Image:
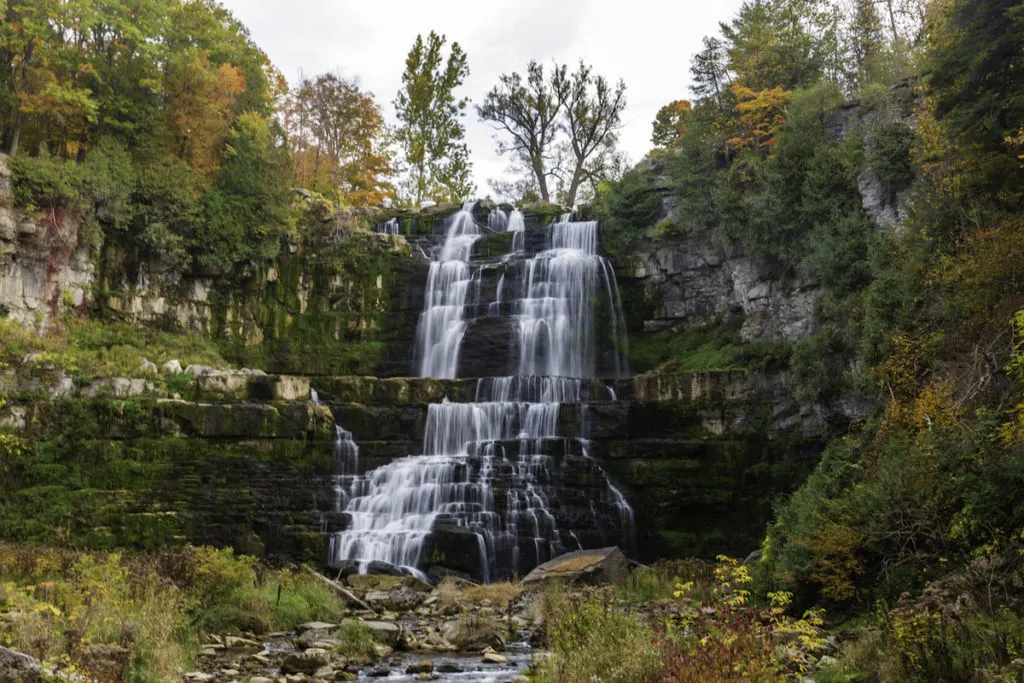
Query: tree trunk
[542, 180]
[18, 123]
[574, 187]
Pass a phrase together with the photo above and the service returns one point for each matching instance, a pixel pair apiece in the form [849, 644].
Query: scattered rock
[148, 367]
[422, 667]
[236, 641]
[437, 574]
[592, 567]
[382, 672]
[384, 582]
[197, 370]
[199, 677]
[494, 658]
[426, 677]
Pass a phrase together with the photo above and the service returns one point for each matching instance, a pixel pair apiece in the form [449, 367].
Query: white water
[443, 321]
[494, 466]
[388, 227]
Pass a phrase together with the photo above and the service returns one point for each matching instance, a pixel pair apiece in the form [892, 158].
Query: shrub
[595, 640]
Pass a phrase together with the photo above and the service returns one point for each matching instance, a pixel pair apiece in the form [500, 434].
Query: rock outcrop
[696, 283]
[605, 566]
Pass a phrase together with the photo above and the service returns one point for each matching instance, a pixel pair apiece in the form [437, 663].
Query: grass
[88, 348]
[55, 604]
[590, 639]
[356, 642]
[659, 581]
[711, 347]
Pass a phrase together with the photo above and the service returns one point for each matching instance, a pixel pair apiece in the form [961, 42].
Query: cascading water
[388, 227]
[497, 472]
[443, 321]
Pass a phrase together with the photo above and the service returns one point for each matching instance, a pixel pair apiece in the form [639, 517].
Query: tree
[709, 69]
[430, 133]
[593, 115]
[670, 124]
[528, 111]
[866, 42]
[40, 50]
[339, 140]
[246, 210]
[200, 96]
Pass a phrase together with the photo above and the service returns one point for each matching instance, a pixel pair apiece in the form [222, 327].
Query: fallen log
[348, 595]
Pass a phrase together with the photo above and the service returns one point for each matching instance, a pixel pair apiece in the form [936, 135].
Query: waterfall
[388, 227]
[500, 470]
[443, 321]
[516, 226]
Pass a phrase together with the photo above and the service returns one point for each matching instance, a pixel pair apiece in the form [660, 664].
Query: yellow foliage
[835, 549]
[761, 115]
[1017, 142]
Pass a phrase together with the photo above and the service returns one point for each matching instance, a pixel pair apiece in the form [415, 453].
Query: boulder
[424, 667]
[16, 667]
[592, 567]
[172, 367]
[471, 632]
[383, 569]
[386, 632]
[148, 367]
[307, 662]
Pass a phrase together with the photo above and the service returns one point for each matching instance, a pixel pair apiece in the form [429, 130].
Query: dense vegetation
[920, 508]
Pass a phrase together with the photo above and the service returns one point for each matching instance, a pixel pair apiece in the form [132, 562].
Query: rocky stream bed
[400, 629]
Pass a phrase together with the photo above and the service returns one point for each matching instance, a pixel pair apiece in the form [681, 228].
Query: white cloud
[647, 43]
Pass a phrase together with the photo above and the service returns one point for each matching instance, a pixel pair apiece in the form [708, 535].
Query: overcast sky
[647, 43]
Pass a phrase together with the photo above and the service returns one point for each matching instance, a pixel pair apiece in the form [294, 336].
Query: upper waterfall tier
[549, 309]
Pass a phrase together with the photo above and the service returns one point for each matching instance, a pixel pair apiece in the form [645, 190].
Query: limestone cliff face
[42, 261]
[695, 282]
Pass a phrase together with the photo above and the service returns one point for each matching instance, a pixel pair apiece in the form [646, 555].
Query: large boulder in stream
[592, 567]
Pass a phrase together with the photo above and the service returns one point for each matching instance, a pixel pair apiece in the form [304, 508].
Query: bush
[46, 182]
[595, 640]
[888, 154]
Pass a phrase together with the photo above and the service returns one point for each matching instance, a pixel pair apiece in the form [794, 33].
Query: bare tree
[528, 110]
[593, 116]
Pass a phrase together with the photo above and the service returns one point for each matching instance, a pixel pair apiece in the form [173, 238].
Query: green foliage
[593, 639]
[431, 134]
[356, 642]
[46, 182]
[628, 208]
[709, 347]
[888, 154]
[96, 348]
[56, 603]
